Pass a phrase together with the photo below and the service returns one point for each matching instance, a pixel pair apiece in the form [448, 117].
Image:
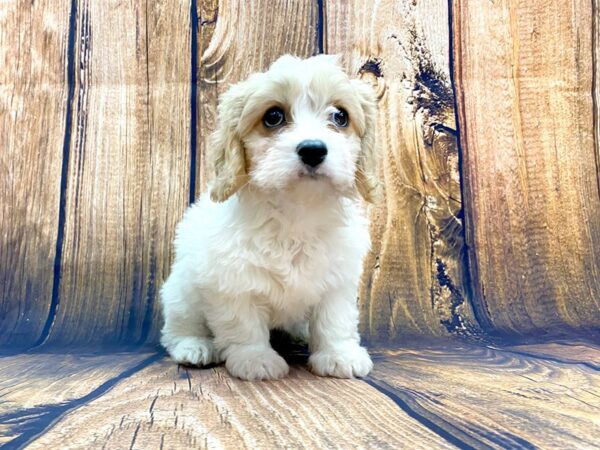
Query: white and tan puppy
[280, 240]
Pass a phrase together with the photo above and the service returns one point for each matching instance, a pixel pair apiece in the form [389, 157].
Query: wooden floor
[466, 396]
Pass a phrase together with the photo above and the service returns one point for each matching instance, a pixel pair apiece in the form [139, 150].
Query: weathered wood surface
[238, 38]
[33, 109]
[567, 352]
[492, 398]
[120, 98]
[129, 168]
[173, 407]
[414, 280]
[531, 186]
[36, 389]
[422, 397]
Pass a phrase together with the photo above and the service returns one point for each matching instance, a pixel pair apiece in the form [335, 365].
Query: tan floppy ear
[367, 182]
[227, 154]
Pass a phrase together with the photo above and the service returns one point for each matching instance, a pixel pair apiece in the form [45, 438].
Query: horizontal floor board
[495, 398]
[567, 352]
[456, 395]
[37, 388]
[175, 407]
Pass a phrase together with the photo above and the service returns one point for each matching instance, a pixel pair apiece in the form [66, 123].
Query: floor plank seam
[447, 430]
[404, 406]
[46, 416]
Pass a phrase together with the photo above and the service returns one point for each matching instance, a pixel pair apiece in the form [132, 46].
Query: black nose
[312, 152]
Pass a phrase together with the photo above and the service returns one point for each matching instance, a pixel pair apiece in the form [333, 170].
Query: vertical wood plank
[414, 280]
[595, 83]
[239, 38]
[524, 74]
[128, 168]
[33, 110]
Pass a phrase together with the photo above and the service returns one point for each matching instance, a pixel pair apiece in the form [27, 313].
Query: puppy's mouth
[311, 173]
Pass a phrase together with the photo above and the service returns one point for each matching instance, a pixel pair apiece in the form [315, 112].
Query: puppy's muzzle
[312, 152]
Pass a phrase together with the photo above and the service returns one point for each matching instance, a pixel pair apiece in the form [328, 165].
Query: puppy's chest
[296, 270]
[296, 264]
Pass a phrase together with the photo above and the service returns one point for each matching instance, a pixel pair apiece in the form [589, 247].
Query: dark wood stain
[372, 66]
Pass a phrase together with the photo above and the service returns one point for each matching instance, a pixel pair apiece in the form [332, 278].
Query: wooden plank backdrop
[264, 30]
[414, 279]
[129, 168]
[105, 110]
[531, 177]
[34, 112]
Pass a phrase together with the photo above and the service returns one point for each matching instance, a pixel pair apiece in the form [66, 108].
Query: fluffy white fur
[276, 245]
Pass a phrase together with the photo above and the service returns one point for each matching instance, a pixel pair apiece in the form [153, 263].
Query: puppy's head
[303, 123]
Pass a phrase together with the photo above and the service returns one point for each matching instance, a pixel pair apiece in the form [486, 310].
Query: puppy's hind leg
[185, 334]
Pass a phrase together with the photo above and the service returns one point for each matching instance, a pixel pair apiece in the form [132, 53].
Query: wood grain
[146, 82]
[567, 352]
[595, 83]
[524, 81]
[129, 168]
[170, 407]
[440, 396]
[264, 30]
[489, 398]
[414, 280]
[36, 388]
[33, 104]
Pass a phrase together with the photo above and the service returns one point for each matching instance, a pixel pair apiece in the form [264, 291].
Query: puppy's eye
[340, 118]
[274, 117]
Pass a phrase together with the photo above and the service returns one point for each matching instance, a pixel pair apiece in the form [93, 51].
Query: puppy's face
[302, 124]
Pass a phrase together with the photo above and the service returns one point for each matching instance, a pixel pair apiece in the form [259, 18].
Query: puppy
[280, 240]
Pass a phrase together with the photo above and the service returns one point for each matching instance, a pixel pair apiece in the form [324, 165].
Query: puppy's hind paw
[256, 364]
[345, 362]
[197, 351]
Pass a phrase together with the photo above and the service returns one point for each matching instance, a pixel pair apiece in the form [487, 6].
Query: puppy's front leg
[242, 336]
[334, 339]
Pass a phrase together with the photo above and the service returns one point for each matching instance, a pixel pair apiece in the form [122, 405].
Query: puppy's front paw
[197, 351]
[256, 364]
[343, 362]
